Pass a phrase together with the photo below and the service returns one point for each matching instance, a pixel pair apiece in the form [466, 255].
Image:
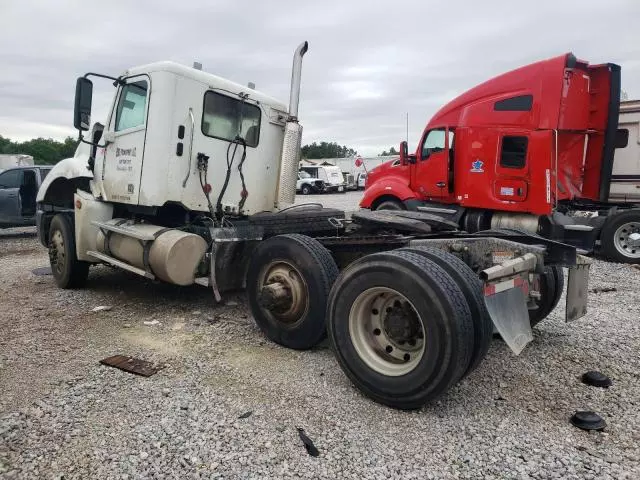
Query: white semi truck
[191, 180]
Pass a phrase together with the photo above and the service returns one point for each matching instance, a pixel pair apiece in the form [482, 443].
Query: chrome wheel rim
[387, 331]
[627, 239]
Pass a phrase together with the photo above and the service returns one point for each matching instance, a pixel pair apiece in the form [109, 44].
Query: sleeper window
[227, 118]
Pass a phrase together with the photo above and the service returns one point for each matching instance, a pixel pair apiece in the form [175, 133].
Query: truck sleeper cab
[524, 150]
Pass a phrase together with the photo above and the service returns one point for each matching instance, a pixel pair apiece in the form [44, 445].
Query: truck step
[120, 264]
[578, 228]
[123, 230]
[443, 211]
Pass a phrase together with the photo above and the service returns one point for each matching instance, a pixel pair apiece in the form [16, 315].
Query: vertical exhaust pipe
[290, 159]
[296, 75]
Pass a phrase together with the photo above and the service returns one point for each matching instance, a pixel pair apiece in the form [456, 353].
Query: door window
[11, 179]
[514, 152]
[435, 142]
[132, 106]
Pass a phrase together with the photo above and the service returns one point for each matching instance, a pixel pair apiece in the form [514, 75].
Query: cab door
[431, 173]
[125, 152]
[10, 205]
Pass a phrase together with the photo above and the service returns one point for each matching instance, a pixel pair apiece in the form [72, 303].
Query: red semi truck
[532, 150]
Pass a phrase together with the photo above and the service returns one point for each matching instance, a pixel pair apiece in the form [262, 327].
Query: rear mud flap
[510, 316]
[577, 291]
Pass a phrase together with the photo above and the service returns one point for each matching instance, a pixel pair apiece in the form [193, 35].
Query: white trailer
[625, 178]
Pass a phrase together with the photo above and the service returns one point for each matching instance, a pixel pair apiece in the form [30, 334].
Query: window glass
[622, 138]
[434, 142]
[514, 152]
[11, 179]
[132, 106]
[522, 103]
[44, 172]
[227, 118]
[303, 174]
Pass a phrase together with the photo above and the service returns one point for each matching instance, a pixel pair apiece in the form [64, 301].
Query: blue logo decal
[476, 166]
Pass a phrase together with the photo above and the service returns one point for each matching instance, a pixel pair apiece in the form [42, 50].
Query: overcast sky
[369, 62]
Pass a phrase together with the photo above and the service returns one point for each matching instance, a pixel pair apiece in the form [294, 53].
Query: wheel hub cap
[627, 239]
[283, 292]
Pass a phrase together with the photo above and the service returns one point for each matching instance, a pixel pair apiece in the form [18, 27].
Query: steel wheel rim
[626, 239]
[390, 342]
[287, 274]
[56, 254]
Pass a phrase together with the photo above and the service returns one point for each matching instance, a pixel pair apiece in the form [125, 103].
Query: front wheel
[306, 189]
[390, 204]
[620, 237]
[68, 271]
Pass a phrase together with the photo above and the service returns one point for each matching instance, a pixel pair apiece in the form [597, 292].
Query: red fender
[389, 186]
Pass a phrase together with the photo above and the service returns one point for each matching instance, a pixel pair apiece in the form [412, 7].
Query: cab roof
[212, 81]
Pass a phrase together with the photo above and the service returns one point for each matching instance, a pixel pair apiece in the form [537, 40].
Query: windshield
[303, 174]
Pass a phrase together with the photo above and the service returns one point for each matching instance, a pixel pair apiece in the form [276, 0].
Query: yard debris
[246, 414]
[151, 323]
[596, 379]
[40, 271]
[231, 303]
[587, 421]
[102, 308]
[604, 289]
[131, 365]
[637, 267]
[308, 443]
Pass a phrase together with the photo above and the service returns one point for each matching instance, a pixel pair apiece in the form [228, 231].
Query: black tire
[306, 189]
[443, 313]
[623, 252]
[390, 204]
[304, 326]
[471, 287]
[68, 271]
[551, 283]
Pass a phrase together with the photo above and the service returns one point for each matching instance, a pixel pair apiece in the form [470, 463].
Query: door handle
[193, 126]
[441, 184]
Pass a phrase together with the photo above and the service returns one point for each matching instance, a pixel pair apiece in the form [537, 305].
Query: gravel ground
[62, 415]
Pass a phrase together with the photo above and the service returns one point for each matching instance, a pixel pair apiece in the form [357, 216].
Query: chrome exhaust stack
[290, 158]
[296, 75]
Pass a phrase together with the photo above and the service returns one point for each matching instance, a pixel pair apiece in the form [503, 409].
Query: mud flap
[507, 306]
[577, 291]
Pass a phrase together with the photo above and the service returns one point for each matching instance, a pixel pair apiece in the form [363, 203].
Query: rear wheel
[550, 287]
[471, 287]
[288, 283]
[400, 327]
[68, 271]
[620, 237]
[390, 204]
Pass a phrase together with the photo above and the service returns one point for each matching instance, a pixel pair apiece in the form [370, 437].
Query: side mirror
[404, 152]
[82, 106]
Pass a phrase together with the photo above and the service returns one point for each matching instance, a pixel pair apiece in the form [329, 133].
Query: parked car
[307, 184]
[329, 174]
[18, 189]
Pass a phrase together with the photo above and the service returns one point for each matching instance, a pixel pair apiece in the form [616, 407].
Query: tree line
[48, 151]
[45, 151]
